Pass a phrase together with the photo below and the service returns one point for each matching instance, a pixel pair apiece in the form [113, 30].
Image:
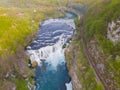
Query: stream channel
[47, 49]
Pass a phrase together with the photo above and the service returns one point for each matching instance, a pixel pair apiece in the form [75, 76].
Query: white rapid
[46, 51]
[48, 45]
[69, 86]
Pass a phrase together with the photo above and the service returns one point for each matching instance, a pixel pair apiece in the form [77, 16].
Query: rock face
[75, 81]
[73, 67]
[113, 32]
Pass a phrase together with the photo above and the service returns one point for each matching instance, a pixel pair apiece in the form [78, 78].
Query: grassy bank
[16, 24]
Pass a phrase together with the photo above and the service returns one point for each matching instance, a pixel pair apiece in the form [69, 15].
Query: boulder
[34, 64]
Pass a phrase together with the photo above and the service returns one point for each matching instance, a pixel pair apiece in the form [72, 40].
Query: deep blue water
[51, 79]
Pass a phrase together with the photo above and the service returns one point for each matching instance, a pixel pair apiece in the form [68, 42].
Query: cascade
[47, 50]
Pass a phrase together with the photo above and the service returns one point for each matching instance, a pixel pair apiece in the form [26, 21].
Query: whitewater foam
[69, 22]
[69, 86]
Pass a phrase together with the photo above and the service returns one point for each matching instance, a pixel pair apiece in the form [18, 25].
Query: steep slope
[100, 34]
[102, 38]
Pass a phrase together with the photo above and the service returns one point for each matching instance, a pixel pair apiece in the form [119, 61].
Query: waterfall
[48, 45]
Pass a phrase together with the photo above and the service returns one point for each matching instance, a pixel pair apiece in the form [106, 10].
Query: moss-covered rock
[34, 64]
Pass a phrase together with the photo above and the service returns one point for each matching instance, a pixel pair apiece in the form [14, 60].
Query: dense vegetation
[97, 18]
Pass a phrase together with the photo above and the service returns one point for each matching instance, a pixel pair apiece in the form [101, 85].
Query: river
[47, 49]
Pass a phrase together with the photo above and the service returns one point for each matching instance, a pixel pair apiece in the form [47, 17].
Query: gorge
[48, 49]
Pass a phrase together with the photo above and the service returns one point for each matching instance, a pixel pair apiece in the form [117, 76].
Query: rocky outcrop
[113, 31]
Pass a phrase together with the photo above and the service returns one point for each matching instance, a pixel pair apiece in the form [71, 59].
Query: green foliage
[96, 23]
[99, 86]
[97, 17]
[21, 84]
[97, 20]
[106, 44]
